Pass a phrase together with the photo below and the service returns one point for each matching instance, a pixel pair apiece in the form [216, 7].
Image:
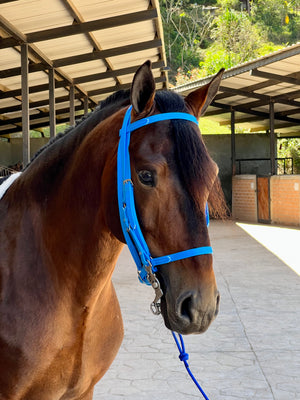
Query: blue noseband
[146, 264]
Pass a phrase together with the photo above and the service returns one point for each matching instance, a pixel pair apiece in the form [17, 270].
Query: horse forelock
[194, 165]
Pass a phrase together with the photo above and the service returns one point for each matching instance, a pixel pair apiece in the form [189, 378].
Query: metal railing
[6, 171]
[281, 164]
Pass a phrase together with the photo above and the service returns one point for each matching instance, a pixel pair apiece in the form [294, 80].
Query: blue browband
[133, 235]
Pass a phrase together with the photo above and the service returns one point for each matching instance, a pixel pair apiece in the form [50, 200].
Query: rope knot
[183, 356]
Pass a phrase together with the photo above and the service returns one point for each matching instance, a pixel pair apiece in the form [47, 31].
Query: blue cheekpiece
[128, 217]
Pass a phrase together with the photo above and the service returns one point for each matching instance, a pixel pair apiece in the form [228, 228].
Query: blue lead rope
[183, 356]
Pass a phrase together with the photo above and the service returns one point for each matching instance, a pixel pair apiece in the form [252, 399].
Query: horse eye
[146, 177]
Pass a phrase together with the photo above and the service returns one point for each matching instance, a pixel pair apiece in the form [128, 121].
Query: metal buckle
[155, 306]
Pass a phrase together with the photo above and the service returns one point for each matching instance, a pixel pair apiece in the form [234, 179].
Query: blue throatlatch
[131, 229]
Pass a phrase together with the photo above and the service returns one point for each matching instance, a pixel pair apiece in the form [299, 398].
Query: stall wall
[285, 199]
[11, 153]
[244, 199]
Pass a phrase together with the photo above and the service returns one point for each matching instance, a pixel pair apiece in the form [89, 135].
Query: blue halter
[140, 252]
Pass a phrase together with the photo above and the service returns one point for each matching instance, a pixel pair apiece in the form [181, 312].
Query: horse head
[172, 176]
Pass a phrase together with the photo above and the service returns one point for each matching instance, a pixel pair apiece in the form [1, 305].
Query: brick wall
[244, 201]
[285, 199]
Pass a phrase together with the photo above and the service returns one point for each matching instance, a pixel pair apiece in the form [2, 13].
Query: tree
[289, 148]
[202, 36]
[187, 26]
[279, 18]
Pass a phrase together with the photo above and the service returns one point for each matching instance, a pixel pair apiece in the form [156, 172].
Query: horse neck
[82, 247]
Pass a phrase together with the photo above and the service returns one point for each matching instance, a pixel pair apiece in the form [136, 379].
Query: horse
[60, 320]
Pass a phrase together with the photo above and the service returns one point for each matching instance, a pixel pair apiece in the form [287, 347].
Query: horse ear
[142, 89]
[200, 99]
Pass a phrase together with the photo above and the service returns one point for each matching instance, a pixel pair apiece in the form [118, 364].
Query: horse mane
[191, 157]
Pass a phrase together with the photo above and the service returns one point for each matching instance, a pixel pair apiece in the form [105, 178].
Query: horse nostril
[186, 308]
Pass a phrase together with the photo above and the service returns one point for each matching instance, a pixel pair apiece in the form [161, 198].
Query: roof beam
[95, 55]
[38, 104]
[34, 117]
[111, 89]
[88, 78]
[62, 99]
[276, 77]
[102, 54]
[282, 99]
[36, 125]
[241, 120]
[246, 110]
[114, 73]
[91, 26]
[240, 92]
[33, 89]
[7, 73]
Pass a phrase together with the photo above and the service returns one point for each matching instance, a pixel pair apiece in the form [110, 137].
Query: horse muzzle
[190, 314]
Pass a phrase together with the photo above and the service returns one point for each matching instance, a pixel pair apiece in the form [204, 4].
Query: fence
[285, 165]
[6, 171]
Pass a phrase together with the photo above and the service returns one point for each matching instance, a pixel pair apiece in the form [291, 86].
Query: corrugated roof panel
[127, 34]
[11, 83]
[109, 82]
[65, 46]
[35, 15]
[91, 10]
[51, 31]
[9, 58]
[133, 59]
[84, 69]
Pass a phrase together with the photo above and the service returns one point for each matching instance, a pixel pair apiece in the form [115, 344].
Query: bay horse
[60, 238]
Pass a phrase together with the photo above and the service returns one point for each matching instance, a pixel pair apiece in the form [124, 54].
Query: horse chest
[63, 360]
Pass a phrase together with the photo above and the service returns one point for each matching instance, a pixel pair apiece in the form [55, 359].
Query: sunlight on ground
[283, 242]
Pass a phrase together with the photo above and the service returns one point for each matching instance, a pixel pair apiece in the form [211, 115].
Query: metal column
[25, 104]
[233, 155]
[86, 105]
[272, 139]
[52, 119]
[72, 105]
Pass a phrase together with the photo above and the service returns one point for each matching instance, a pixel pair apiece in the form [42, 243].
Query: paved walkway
[251, 351]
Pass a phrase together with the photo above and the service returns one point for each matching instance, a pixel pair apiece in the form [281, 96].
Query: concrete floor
[251, 351]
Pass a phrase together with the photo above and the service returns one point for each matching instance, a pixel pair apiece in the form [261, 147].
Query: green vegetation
[209, 127]
[45, 132]
[202, 36]
[289, 148]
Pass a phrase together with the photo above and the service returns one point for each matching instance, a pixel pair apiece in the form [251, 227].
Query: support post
[233, 155]
[25, 104]
[272, 139]
[72, 105]
[52, 116]
[86, 105]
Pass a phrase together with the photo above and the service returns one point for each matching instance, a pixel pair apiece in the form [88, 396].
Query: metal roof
[248, 89]
[94, 46]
